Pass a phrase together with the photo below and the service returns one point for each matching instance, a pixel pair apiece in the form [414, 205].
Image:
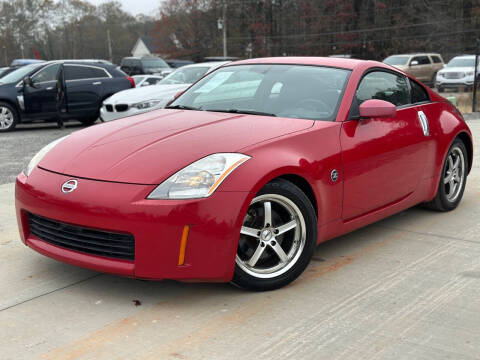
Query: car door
[383, 157]
[84, 89]
[40, 97]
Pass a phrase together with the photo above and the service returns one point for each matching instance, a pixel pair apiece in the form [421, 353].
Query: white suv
[459, 72]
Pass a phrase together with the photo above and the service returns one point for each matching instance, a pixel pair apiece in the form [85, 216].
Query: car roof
[464, 56]
[306, 60]
[416, 54]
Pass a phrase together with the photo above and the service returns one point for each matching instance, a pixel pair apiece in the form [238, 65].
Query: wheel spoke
[279, 251]
[448, 178]
[249, 231]
[256, 255]
[452, 187]
[457, 162]
[286, 227]
[267, 206]
[450, 162]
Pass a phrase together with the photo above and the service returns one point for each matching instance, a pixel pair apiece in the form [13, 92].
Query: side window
[75, 72]
[48, 73]
[419, 94]
[422, 60]
[436, 59]
[98, 73]
[383, 85]
[137, 64]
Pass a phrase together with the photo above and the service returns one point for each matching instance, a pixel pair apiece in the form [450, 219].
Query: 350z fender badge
[334, 175]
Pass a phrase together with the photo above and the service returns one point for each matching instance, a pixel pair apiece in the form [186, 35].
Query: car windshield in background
[185, 76]
[292, 91]
[18, 74]
[396, 60]
[459, 62]
[154, 63]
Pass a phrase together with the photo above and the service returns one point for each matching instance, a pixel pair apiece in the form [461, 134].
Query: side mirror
[145, 83]
[414, 63]
[377, 109]
[27, 80]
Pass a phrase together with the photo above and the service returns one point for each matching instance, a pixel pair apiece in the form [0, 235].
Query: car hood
[148, 148]
[144, 93]
[457, 69]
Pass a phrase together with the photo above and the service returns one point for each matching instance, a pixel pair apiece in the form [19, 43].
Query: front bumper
[466, 81]
[157, 226]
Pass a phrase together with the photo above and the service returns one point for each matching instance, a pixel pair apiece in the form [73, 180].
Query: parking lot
[407, 287]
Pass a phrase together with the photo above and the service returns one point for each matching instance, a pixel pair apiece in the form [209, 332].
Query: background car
[146, 80]
[424, 66]
[176, 63]
[31, 93]
[151, 65]
[246, 172]
[459, 73]
[144, 99]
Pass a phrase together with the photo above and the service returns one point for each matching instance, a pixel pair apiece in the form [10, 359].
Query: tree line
[191, 29]
[68, 29]
[368, 29]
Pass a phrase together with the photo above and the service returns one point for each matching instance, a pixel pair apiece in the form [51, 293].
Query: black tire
[297, 243]
[89, 120]
[8, 117]
[442, 201]
[440, 89]
[433, 80]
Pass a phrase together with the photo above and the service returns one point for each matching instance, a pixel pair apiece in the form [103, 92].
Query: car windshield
[396, 60]
[154, 63]
[185, 75]
[461, 62]
[19, 74]
[292, 91]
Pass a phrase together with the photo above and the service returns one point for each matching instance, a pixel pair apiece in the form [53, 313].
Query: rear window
[436, 59]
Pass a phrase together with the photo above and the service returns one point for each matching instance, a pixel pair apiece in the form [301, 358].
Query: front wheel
[277, 239]
[453, 180]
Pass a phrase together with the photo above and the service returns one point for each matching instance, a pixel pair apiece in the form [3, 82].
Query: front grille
[121, 107]
[109, 107]
[454, 75]
[82, 239]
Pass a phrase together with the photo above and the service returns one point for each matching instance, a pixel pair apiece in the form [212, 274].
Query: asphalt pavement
[407, 287]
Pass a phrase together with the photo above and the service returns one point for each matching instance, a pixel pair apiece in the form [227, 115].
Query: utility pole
[109, 46]
[6, 56]
[224, 27]
[475, 77]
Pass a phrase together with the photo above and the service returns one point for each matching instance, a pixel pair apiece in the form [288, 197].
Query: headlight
[439, 74]
[39, 156]
[200, 179]
[469, 73]
[146, 104]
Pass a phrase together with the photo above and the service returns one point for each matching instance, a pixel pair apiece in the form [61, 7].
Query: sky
[135, 7]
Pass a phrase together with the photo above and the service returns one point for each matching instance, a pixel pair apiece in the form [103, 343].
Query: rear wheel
[453, 179]
[277, 239]
[89, 120]
[8, 117]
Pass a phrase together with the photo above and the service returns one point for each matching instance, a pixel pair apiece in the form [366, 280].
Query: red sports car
[246, 172]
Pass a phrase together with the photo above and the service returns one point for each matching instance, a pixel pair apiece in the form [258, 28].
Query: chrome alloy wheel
[454, 174]
[272, 237]
[6, 118]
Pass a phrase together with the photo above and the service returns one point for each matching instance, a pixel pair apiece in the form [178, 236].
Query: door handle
[97, 83]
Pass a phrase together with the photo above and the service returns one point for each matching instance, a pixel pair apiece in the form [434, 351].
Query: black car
[176, 63]
[145, 65]
[69, 89]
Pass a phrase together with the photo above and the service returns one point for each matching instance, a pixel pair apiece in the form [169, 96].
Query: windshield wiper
[182, 107]
[238, 111]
